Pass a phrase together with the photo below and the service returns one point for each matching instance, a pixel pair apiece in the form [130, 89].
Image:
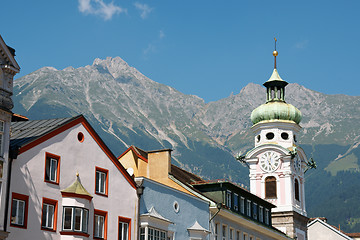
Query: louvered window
[297, 195]
[270, 187]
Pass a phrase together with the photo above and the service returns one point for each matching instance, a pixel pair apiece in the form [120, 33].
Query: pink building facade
[66, 184]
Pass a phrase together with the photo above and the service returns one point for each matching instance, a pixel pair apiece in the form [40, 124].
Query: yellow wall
[157, 168]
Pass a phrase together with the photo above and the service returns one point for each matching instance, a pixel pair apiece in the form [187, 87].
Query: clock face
[269, 161]
[297, 164]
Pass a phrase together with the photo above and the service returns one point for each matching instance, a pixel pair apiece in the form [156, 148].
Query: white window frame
[238, 235]
[231, 234]
[242, 205]
[248, 208]
[216, 231]
[255, 211]
[19, 212]
[267, 216]
[123, 230]
[223, 232]
[84, 219]
[142, 233]
[245, 236]
[261, 213]
[99, 226]
[53, 165]
[48, 222]
[100, 182]
[236, 201]
[2, 127]
[228, 198]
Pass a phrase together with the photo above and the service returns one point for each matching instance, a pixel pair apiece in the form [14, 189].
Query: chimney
[159, 163]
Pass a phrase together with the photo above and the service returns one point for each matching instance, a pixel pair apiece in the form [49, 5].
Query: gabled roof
[184, 176]
[25, 135]
[331, 228]
[138, 152]
[197, 227]
[178, 173]
[154, 214]
[25, 132]
[9, 54]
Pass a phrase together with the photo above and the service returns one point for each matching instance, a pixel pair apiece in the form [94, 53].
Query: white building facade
[8, 69]
[66, 184]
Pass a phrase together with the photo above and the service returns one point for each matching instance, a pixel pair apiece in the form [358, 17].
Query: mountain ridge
[127, 108]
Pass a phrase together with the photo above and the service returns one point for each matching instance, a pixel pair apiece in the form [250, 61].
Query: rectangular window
[100, 224]
[267, 216]
[2, 138]
[248, 208]
[228, 198]
[124, 229]
[255, 211]
[261, 214]
[52, 168]
[224, 232]
[231, 234]
[1, 168]
[101, 181]
[245, 236]
[216, 231]
[236, 202]
[142, 233]
[49, 214]
[75, 219]
[242, 205]
[157, 234]
[19, 208]
[237, 235]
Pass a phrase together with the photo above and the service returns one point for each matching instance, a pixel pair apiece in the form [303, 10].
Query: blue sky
[207, 48]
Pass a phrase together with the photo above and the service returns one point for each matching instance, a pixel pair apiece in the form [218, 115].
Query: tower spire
[275, 53]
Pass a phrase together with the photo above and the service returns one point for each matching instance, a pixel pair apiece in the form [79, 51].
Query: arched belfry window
[297, 195]
[270, 187]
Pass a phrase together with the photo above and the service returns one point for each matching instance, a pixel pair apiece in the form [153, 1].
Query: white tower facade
[276, 162]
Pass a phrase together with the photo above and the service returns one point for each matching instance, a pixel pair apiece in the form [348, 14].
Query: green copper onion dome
[275, 107]
[276, 111]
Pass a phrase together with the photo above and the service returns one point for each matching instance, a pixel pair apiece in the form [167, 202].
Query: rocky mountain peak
[116, 66]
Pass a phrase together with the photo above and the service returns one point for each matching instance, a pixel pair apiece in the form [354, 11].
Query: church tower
[276, 162]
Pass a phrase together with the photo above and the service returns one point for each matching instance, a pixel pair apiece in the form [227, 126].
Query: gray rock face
[126, 108]
[123, 100]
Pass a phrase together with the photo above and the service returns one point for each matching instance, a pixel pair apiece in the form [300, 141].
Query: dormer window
[255, 211]
[242, 205]
[261, 213]
[228, 198]
[236, 202]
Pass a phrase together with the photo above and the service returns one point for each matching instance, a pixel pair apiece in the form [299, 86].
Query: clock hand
[268, 159]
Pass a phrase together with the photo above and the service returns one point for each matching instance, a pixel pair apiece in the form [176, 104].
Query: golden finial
[77, 174]
[275, 53]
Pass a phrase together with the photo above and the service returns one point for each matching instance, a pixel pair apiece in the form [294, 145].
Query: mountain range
[127, 108]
